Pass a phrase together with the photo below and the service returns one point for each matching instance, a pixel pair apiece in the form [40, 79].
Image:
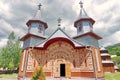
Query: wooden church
[59, 54]
[108, 64]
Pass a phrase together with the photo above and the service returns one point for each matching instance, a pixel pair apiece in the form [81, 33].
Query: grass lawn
[112, 76]
[8, 75]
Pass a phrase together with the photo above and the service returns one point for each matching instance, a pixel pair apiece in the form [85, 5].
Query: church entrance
[62, 70]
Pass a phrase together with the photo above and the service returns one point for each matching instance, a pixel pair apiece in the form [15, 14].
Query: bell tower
[36, 30]
[84, 23]
[84, 26]
[36, 26]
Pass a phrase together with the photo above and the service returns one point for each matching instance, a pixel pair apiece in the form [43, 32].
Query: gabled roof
[90, 34]
[60, 34]
[30, 35]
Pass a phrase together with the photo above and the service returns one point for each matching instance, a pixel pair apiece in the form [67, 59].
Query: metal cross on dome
[39, 6]
[59, 21]
[81, 4]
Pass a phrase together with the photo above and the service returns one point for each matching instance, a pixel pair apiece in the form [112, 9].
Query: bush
[39, 74]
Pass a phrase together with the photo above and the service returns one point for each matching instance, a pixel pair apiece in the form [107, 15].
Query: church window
[80, 27]
[74, 63]
[104, 58]
[59, 43]
[85, 63]
[46, 63]
[91, 27]
[40, 29]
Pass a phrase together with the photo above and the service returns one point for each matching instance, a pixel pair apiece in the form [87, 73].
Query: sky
[15, 13]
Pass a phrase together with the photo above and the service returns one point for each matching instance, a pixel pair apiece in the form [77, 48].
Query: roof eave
[83, 19]
[88, 33]
[29, 35]
[39, 21]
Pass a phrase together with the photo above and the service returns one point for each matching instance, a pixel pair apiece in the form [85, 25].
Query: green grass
[112, 76]
[8, 75]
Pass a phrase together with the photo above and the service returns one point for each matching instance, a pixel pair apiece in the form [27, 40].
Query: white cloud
[112, 39]
[6, 29]
[3, 42]
[5, 26]
[5, 10]
[15, 13]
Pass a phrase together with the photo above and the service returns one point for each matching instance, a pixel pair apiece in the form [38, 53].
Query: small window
[40, 29]
[104, 58]
[80, 27]
[74, 64]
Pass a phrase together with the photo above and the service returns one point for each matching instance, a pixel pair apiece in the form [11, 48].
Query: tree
[114, 49]
[10, 54]
[117, 61]
[118, 53]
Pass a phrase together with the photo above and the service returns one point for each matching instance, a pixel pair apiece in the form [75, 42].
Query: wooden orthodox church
[59, 54]
[108, 64]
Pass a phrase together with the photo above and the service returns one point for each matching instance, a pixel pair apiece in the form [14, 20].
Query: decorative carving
[62, 52]
[30, 64]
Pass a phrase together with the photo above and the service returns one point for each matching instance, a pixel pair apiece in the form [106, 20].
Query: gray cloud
[18, 12]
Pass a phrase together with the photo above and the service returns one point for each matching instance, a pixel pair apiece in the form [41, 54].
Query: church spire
[37, 15]
[84, 23]
[36, 25]
[82, 11]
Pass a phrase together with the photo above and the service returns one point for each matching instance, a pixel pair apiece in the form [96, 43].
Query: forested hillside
[114, 49]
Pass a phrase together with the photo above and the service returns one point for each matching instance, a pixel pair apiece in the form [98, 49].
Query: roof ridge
[74, 41]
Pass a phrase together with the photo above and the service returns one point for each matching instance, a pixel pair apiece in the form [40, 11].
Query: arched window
[46, 63]
[74, 63]
[85, 63]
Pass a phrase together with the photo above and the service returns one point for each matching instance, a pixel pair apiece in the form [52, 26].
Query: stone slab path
[62, 78]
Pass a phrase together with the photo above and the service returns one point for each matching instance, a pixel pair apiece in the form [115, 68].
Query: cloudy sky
[15, 13]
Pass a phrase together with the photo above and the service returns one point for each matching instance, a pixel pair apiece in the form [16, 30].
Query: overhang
[39, 21]
[29, 35]
[88, 33]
